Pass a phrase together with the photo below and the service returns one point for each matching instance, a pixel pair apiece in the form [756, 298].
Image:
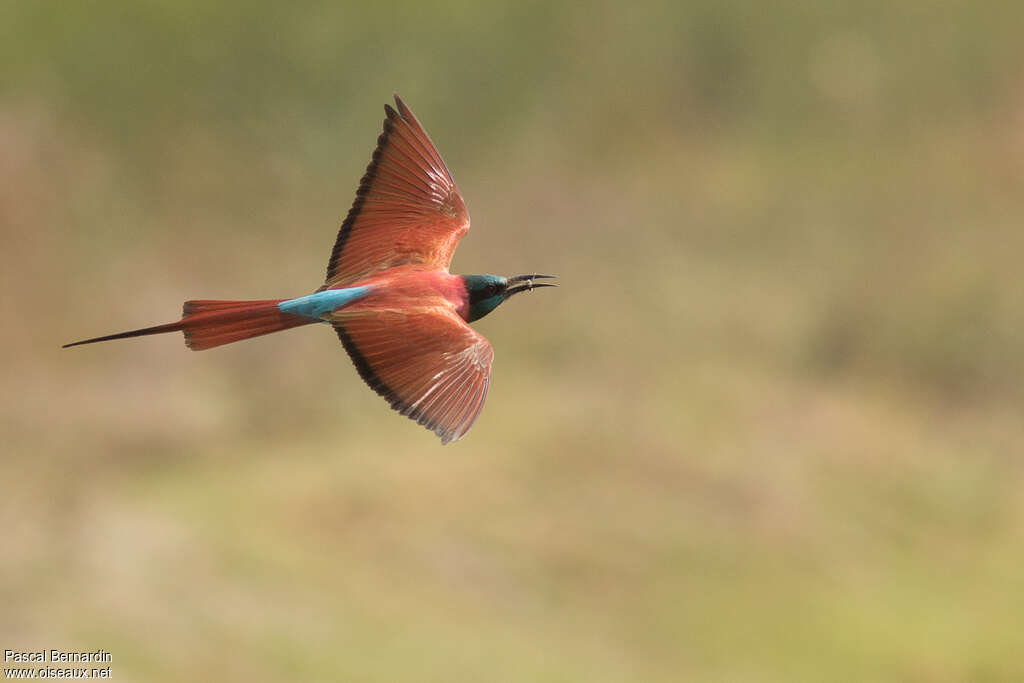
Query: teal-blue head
[487, 292]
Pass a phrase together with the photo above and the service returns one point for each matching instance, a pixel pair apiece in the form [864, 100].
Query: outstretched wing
[429, 365]
[407, 210]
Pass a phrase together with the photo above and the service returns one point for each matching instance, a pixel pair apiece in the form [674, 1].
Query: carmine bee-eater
[400, 314]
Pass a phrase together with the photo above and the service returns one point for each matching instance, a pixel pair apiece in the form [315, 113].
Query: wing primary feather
[406, 196]
[357, 206]
[453, 399]
[371, 378]
[427, 364]
[427, 145]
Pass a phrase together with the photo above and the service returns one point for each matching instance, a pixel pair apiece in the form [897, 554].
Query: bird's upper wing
[407, 210]
[428, 363]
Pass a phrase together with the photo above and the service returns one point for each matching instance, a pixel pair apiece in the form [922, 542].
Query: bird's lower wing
[429, 365]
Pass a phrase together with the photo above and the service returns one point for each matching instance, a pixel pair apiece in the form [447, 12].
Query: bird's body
[407, 288]
[400, 314]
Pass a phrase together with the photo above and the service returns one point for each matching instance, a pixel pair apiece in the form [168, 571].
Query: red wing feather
[407, 210]
[429, 365]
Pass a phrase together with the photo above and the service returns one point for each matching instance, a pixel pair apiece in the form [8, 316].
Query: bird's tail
[207, 324]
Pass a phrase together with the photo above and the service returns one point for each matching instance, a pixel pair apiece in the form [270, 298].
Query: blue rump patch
[320, 304]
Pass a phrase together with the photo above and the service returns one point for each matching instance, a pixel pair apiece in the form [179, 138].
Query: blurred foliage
[769, 429]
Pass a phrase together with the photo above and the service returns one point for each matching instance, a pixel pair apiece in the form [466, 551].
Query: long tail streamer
[207, 324]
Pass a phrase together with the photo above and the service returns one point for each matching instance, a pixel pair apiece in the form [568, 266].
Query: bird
[400, 314]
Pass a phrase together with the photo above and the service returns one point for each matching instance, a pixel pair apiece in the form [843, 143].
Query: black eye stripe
[485, 292]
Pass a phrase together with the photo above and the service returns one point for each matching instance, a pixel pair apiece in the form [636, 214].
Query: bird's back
[409, 288]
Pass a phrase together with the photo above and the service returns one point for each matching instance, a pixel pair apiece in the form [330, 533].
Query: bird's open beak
[530, 284]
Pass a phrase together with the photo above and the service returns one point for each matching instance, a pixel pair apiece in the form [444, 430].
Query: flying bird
[401, 316]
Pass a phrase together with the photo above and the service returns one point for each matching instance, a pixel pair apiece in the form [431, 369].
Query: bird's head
[487, 292]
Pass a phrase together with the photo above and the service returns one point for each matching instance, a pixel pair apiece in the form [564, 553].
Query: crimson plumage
[399, 313]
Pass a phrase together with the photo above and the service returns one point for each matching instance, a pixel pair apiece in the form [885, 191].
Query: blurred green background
[769, 429]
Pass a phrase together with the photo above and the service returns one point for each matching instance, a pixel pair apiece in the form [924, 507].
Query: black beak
[530, 284]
